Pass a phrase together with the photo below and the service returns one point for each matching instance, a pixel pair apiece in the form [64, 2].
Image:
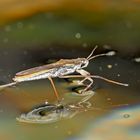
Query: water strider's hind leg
[54, 88]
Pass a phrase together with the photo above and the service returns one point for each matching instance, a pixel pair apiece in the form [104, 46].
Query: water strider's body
[61, 69]
[57, 69]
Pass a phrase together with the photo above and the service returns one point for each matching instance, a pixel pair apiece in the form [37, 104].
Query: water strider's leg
[71, 76]
[7, 85]
[87, 74]
[110, 81]
[82, 81]
[87, 77]
[89, 85]
[75, 76]
[84, 74]
[54, 88]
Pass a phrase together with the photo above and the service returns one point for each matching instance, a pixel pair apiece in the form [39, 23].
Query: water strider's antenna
[111, 53]
[92, 52]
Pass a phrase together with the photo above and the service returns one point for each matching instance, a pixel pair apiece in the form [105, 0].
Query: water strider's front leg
[84, 74]
[87, 77]
[81, 82]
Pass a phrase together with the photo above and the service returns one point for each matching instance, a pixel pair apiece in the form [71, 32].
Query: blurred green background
[34, 23]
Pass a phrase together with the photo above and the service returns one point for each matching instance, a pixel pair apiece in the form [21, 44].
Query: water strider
[61, 69]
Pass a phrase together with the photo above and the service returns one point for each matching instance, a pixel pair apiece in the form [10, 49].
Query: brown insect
[61, 69]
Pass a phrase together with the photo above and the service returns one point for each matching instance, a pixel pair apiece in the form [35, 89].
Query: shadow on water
[107, 99]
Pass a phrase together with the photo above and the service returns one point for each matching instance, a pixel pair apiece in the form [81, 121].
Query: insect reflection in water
[50, 113]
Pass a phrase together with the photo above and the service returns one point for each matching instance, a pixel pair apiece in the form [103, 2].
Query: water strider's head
[85, 61]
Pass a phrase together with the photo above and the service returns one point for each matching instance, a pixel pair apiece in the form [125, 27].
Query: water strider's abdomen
[55, 72]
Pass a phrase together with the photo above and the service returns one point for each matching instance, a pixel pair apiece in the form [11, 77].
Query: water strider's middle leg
[54, 88]
[88, 76]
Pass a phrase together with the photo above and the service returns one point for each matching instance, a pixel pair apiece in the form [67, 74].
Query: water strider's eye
[84, 64]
